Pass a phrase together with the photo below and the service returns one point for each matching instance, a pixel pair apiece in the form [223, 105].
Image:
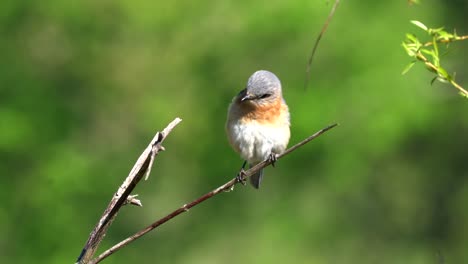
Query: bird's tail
[256, 179]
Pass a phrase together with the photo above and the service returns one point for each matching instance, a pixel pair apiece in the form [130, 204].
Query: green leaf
[419, 24]
[408, 67]
[436, 52]
[445, 36]
[410, 49]
[428, 52]
[412, 38]
[443, 73]
[435, 31]
[442, 80]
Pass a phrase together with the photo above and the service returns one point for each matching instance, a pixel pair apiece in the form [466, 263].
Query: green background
[84, 85]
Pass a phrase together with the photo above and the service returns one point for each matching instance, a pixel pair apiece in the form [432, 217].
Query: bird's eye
[265, 96]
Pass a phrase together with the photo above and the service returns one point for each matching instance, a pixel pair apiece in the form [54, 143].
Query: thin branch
[141, 168]
[324, 28]
[456, 85]
[446, 41]
[436, 69]
[225, 187]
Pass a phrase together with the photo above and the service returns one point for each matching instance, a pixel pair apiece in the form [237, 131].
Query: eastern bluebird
[258, 121]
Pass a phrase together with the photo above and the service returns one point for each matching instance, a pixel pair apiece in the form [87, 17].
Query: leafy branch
[428, 53]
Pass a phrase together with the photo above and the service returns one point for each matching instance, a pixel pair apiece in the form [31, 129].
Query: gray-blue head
[263, 86]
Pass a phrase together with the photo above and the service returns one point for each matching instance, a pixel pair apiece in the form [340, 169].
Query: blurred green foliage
[84, 85]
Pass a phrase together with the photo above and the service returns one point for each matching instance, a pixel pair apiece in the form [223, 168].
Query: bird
[258, 122]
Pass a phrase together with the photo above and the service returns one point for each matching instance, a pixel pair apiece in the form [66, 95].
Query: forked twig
[141, 168]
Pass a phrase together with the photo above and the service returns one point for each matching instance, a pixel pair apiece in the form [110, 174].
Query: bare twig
[141, 168]
[225, 187]
[324, 28]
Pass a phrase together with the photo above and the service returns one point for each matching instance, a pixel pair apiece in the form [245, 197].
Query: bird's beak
[246, 96]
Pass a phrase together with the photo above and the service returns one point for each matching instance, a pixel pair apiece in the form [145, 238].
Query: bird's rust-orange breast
[269, 114]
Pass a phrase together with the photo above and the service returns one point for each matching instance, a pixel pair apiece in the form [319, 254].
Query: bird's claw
[241, 177]
[272, 158]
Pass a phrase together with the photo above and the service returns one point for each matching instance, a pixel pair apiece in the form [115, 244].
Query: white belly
[255, 141]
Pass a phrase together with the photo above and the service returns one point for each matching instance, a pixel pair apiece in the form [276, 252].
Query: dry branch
[225, 187]
[319, 37]
[141, 168]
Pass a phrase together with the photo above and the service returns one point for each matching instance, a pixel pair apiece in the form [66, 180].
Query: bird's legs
[272, 158]
[241, 175]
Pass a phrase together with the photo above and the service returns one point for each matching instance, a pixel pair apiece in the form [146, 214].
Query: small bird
[258, 121]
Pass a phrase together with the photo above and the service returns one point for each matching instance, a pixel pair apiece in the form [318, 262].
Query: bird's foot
[241, 177]
[272, 158]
